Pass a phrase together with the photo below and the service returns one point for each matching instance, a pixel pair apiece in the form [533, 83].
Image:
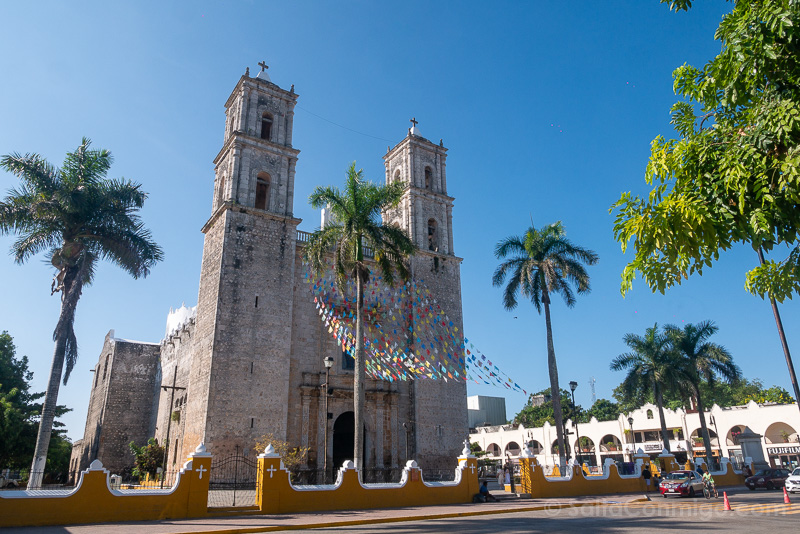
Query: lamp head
[328, 361]
[573, 385]
[630, 421]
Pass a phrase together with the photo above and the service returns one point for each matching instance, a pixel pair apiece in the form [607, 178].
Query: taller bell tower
[239, 377]
[438, 409]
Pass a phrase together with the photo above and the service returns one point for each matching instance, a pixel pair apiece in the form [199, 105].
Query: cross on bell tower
[263, 66]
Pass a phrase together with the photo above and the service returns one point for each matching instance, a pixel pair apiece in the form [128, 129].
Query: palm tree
[702, 361]
[542, 262]
[77, 217]
[652, 366]
[356, 224]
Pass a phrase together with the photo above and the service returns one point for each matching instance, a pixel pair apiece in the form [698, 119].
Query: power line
[342, 126]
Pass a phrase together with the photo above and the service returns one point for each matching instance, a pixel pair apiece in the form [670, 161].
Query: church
[248, 360]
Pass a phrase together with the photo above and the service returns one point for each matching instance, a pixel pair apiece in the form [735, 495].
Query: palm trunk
[70, 294]
[660, 404]
[784, 344]
[555, 392]
[48, 415]
[703, 427]
[359, 378]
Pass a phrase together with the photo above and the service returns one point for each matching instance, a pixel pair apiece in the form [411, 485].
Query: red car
[682, 483]
[767, 479]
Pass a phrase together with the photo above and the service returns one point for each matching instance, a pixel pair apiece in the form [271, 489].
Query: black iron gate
[232, 481]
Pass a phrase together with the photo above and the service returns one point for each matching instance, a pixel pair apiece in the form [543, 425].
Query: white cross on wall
[271, 470]
[472, 468]
[201, 470]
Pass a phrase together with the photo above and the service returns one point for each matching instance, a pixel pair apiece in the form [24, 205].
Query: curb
[418, 517]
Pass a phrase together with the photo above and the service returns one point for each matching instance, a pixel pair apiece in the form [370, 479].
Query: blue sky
[547, 109]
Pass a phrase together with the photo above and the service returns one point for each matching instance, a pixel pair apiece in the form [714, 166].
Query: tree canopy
[733, 174]
[19, 410]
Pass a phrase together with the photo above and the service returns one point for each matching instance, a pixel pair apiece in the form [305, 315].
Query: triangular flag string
[407, 335]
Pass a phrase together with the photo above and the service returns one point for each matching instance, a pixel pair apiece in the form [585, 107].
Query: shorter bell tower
[438, 408]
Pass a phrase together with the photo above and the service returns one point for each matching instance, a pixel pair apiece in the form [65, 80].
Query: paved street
[759, 511]
[752, 512]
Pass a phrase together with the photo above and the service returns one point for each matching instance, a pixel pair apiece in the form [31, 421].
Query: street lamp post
[328, 361]
[719, 443]
[572, 386]
[633, 437]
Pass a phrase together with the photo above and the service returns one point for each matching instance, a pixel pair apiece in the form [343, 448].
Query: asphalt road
[758, 511]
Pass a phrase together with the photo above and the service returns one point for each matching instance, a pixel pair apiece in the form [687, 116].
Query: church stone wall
[249, 363]
[177, 351]
[120, 405]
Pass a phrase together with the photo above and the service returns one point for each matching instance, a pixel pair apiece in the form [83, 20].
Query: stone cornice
[241, 139]
[262, 85]
[434, 254]
[229, 205]
[418, 141]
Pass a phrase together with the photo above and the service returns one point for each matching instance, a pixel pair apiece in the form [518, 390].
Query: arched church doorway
[344, 430]
[344, 437]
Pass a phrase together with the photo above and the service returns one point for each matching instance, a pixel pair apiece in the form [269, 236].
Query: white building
[484, 411]
[778, 424]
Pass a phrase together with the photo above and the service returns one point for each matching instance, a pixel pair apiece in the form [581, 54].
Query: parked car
[9, 480]
[688, 483]
[767, 479]
[793, 482]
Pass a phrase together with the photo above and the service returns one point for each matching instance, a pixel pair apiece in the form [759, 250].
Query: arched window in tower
[433, 240]
[262, 191]
[266, 126]
[221, 190]
[428, 178]
[396, 176]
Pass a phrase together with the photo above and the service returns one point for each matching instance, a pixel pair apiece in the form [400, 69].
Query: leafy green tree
[701, 361]
[723, 394]
[19, 410]
[77, 217]
[603, 410]
[652, 366]
[357, 225]
[539, 263]
[532, 415]
[147, 458]
[733, 175]
[775, 395]
[16, 411]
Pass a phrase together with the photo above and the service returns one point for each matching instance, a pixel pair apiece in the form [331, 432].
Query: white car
[793, 482]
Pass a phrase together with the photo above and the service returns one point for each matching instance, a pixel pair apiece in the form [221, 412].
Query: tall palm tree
[701, 361]
[356, 224]
[77, 217]
[542, 262]
[652, 366]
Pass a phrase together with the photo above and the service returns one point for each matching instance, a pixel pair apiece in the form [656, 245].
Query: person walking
[647, 475]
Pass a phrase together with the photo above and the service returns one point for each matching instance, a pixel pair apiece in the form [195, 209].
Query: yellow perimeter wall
[534, 482]
[276, 495]
[93, 502]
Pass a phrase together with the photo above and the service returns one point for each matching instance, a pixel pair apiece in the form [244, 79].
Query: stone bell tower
[239, 378]
[438, 408]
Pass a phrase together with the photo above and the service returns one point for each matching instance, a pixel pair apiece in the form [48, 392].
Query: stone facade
[251, 359]
[121, 407]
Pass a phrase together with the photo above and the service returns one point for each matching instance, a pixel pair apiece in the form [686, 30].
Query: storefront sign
[656, 447]
[784, 450]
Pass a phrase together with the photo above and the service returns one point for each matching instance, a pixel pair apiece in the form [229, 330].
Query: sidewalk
[275, 523]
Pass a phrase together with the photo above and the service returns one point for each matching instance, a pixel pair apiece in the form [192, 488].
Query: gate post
[197, 502]
[272, 477]
[469, 470]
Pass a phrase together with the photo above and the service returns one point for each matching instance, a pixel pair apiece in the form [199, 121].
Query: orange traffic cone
[727, 503]
[786, 497]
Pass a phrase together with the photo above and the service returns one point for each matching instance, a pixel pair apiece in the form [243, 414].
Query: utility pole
[172, 389]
